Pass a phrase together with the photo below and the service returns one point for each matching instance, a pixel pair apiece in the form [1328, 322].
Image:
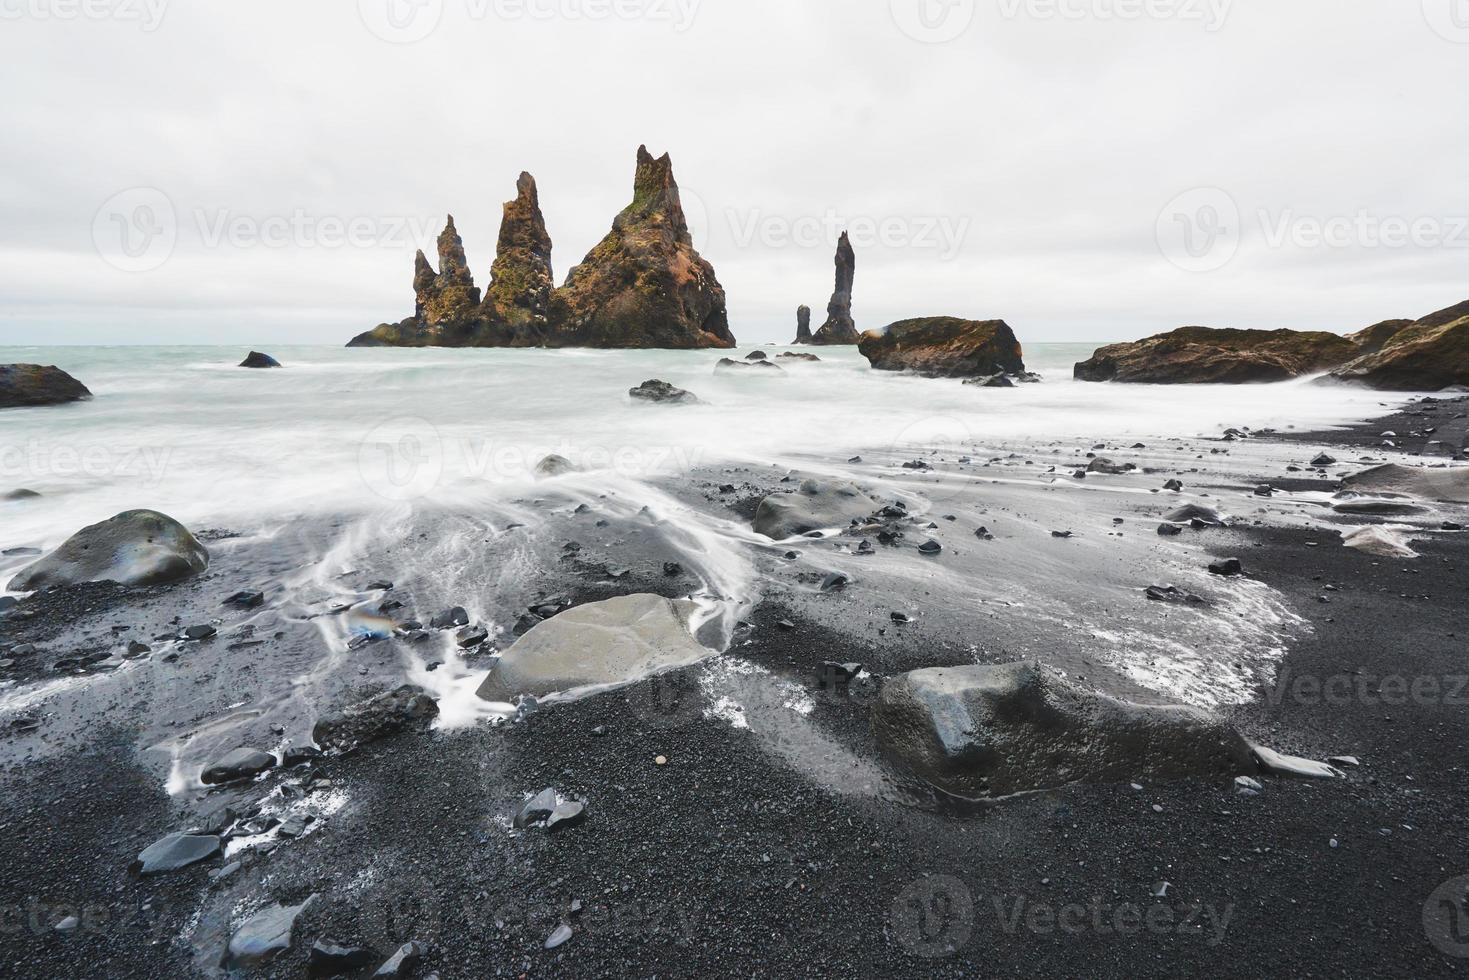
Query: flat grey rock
[265, 934]
[816, 505]
[607, 643]
[176, 851]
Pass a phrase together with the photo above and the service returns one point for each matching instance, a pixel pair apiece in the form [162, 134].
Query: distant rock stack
[645, 285]
[839, 328]
[521, 282]
[803, 325]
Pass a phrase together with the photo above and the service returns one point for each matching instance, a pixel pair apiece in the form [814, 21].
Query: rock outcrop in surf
[839, 327]
[643, 285]
[1204, 355]
[1427, 355]
[24, 385]
[944, 347]
[803, 325]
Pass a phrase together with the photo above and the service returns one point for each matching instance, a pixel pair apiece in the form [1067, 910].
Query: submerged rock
[1442, 484]
[839, 327]
[255, 359]
[137, 547]
[998, 730]
[791, 355]
[1203, 355]
[555, 465]
[1428, 355]
[26, 385]
[242, 763]
[814, 506]
[264, 935]
[945, 347]
[613, 642]
[408, 708]
[661, 391]
[726, 365]
[176, 851]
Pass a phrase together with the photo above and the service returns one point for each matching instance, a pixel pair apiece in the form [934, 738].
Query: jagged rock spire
[839, 327]
[803, 324]
[521, 280]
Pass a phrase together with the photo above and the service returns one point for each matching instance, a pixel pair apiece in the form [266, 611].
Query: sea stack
[644, 285]
[839, 328]
[521, 280]
[803, 325]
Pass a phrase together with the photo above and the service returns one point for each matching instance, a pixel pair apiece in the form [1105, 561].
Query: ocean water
[183, 430]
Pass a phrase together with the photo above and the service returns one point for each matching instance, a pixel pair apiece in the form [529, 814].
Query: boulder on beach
[1428, 355]
[987, 731]
[944, 347]
[137, 547]
[816, 505]
[25, 385]
[263, 936]
[839, 327]
[1438, 483]
[662, 392]
[255, 359]
[1204, 355]
[242, 763]
[408, 708]
[613, 642]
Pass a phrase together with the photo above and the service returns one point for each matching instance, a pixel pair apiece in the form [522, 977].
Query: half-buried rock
[1443, 484]
[663, 392]
[600, 644]
[555, 465]
[137, 547]
[408, 708]
[990, 731]
[816, 505]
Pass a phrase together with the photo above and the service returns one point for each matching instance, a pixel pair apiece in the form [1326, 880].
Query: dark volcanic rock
[1428, 355]
[662, 391]
[645, 285]
[728, 364]
[408, 708]
[327, 959]
[839, 327]
[255, 359]
[403, 961]
[243, 763]
[1203, 355]
[944, 346]
[263, 936]
[803, 325]
[24, 385]
[176, 851]
[814, 506]
[997, 730]
[521, 279]
[537, 809]
[137, 547]
[797, 356]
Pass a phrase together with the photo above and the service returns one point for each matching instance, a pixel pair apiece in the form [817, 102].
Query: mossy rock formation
[944, 347]
[1428, 355]
[643, 285]
[1204, 355]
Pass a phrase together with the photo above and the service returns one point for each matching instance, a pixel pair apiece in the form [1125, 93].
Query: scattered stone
[68, 924]
[471, 636]
[930, 547]
[834, 582]
[403, 961]
[1323, 460]
[242, 763]
[1107, 467]
[136, 649]
[983, 534]
[1246, 786]
[833, 675]
[176, 851]
[327, 959]
[566, 815]
[1189, 513]
[558, 936]
[1174, 485]
[1171, 593]
[450, 619]
[672, 569]
[1344, 760]
[1228, 567]
[201, 632]
[1061, 534]
[900, 618]
[407, 708]
[264, 935]
[246, 600]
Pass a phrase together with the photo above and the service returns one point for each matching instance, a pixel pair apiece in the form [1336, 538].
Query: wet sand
[775, 837]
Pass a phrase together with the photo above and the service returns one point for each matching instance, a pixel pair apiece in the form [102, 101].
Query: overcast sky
[261, 172]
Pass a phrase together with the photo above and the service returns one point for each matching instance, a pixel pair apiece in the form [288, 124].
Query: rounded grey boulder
[815, 505]
[137, 547]
[989, 731]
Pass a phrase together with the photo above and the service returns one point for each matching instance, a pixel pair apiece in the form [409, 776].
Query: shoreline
[790, 845]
